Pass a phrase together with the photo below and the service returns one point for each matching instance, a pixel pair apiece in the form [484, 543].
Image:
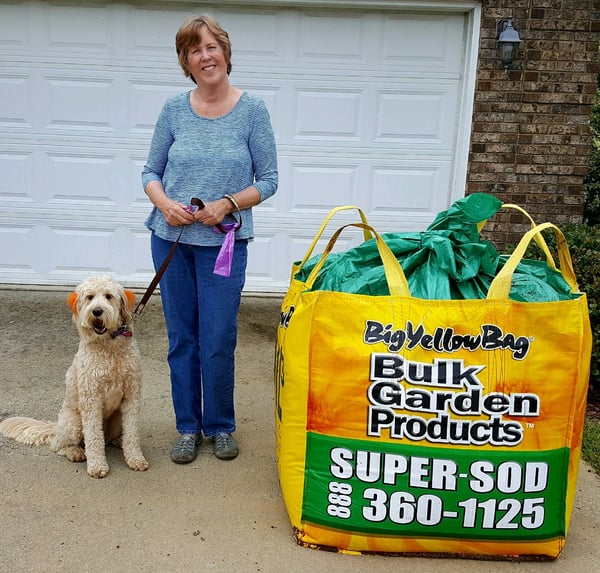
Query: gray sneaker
[186, 448]
[226, 447]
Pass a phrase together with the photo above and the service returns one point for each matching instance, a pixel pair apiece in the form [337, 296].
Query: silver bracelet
[232, 200]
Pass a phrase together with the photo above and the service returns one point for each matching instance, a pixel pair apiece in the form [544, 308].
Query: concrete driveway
[206, 516]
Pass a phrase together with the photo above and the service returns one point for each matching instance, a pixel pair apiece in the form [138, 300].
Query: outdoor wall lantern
[507, 41]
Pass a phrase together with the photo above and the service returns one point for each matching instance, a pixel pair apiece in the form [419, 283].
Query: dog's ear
[130, 296]
[127, 302]
[72, 302]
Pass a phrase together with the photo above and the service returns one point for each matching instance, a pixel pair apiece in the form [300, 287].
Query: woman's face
[206, 60]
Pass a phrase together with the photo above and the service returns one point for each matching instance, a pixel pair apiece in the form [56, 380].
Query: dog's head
[100, 306]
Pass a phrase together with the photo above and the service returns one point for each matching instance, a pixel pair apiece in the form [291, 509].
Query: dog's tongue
[99, 327]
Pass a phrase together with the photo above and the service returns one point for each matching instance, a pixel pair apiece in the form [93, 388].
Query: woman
[214, 143]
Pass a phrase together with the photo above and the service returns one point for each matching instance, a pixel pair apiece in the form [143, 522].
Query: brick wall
[530, 142]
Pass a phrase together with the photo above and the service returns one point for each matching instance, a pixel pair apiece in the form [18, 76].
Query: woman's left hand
[213, 212]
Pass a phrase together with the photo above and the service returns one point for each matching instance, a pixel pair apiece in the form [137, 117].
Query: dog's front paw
[138, 464]
[97, 470]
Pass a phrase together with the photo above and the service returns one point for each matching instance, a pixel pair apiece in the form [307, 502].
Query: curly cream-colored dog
[103, 384]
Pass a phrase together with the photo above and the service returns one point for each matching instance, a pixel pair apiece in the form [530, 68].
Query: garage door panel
[69, 28]
[146, 102]
[45, 250]
[136, 244]
[83, 181]
[138, 206]
[80, 103]
[75, 186]
[403, 41]
[13, 19]
[15, 112]
[310, 179]
[314, 39]
[16, 182]
[150, 35]
[16, 244]
[398, 189]
[92, 250]
[409, 187]
[251, 43]
[328, 114]
[268, 250]
[263, 249]
[417, 116]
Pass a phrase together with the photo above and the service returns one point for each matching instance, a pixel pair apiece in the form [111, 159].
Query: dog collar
[123, 330]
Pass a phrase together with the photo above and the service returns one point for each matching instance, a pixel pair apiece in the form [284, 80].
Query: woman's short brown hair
[188, 36]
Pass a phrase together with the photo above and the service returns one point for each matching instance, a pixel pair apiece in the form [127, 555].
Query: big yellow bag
[406, 425]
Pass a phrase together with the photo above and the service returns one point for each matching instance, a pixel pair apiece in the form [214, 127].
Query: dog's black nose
[97, 312]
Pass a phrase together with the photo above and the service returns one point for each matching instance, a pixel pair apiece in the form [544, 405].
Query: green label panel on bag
[387, 489]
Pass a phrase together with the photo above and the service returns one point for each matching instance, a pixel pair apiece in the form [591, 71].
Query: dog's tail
[28, 431]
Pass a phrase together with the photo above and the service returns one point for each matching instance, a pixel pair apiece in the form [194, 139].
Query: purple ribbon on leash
[225, 256]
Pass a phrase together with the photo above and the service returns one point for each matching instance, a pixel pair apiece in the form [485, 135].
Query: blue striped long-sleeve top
[194, 156]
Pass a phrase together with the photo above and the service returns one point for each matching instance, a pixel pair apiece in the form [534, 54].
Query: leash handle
[198, 203]
[220, 226]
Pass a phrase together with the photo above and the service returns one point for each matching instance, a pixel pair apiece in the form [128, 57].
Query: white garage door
[369, 108]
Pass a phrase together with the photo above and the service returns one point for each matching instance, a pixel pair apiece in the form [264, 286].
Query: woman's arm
[264, 153]
[174, 212]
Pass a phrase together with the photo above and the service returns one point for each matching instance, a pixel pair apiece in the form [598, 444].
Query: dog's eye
[90, 297]
[108, 296]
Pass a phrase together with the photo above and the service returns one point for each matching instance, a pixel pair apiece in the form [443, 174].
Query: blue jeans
[201, 314]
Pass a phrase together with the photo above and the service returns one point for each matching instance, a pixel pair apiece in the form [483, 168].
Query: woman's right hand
[175, 213]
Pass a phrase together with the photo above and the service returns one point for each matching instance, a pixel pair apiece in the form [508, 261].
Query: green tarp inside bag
[449, 260]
